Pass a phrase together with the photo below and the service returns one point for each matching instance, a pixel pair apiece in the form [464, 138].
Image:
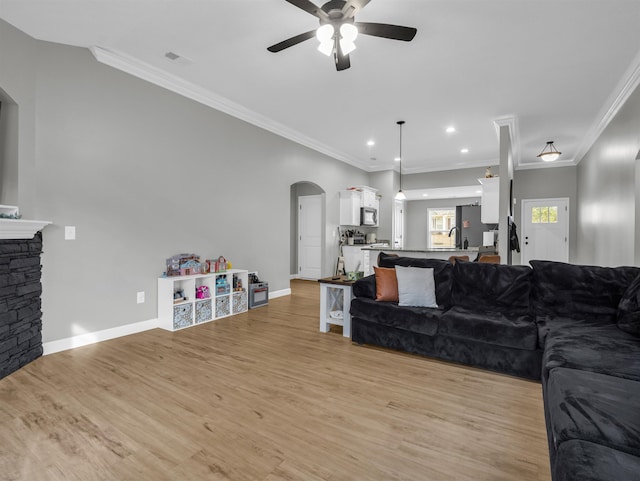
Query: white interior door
[310, 236]
[545, 230]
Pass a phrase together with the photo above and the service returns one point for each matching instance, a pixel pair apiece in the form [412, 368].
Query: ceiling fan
[338, 29]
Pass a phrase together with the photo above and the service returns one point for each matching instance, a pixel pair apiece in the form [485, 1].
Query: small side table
[335, 302]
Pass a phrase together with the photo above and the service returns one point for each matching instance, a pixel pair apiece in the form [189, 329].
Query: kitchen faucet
[457, 234]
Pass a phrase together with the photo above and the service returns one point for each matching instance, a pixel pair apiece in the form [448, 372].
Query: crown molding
[201, 95]
[548, 165]
[629, 82]
[511, 122]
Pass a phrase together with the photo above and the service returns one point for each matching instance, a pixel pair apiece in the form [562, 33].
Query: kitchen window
[441, 221]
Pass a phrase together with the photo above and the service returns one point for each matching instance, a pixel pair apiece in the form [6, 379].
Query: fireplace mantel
[16, 228]
[20, 229]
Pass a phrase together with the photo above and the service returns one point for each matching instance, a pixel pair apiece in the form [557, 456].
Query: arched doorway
[307, 233]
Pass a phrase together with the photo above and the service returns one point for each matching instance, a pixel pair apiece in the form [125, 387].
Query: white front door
[310, 236]
[545, 230]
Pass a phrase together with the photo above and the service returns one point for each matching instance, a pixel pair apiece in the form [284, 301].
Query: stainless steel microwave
[368, 216]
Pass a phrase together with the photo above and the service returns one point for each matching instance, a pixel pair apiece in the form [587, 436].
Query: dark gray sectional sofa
[575, 328]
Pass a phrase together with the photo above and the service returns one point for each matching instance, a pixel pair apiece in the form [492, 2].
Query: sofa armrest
[365, 287]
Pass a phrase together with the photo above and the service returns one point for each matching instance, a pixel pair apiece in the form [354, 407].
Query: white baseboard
[106, 334]
[294, 276]
[98, 336]
[280, 293]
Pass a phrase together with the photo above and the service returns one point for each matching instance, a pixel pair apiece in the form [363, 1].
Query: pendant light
[549, 153]
[400, 195]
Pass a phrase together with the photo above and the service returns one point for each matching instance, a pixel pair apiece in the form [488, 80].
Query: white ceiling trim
[194, 92]
[546, 165]
[511, 122]
[624, 89]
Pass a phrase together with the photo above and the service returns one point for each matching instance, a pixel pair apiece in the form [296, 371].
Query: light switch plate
[69, 232]
[141, 297]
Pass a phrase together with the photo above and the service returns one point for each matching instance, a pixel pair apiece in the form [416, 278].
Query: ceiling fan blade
[352, 6]
[290, 42]
[309, 7]
[395, 32]
[342, 61]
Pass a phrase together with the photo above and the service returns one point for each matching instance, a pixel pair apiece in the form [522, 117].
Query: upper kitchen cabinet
[490, 200]
[350, 202]
[353, 200]
[369, 199]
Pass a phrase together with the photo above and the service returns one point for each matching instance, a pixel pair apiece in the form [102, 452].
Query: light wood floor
[265, 396]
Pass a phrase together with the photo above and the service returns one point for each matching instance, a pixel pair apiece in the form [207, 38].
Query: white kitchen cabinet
[352, 200]
[369, 198]
[489, 213]
[228, 296]
[350, 203]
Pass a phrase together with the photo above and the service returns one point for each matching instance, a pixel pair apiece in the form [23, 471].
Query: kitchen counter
[370, 254]
[450, 250]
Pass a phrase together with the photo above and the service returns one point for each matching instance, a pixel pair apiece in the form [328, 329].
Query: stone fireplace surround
[20, 303]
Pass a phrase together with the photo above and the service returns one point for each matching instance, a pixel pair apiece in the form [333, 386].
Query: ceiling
[549, 69]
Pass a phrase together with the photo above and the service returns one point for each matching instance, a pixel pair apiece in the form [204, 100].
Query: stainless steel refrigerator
[469, 225]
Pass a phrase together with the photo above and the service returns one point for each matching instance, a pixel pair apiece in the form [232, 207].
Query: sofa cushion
[594, 407]
[491, 287]
[386, 284]
[422, 320]
[546, 324]
[365, 287]
[584, 461]
[493, 327]
[442, 273]
[604, 349]
[416, 286]
[628, 315]
[579, 292]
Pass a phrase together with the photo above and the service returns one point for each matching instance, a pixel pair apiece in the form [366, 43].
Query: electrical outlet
[141, 297]
[69, 232]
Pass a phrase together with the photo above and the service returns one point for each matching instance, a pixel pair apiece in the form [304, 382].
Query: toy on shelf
[178, 296]
[183, 264]
[222, 286]
[202, 292]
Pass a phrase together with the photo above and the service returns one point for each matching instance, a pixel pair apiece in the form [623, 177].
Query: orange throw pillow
[386, 284]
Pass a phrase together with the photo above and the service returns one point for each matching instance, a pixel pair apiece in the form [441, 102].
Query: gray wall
[547, 183]
[417, 219]
[144, 174]
[608, 192]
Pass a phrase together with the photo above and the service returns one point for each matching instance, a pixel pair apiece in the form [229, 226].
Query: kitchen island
[370, 254]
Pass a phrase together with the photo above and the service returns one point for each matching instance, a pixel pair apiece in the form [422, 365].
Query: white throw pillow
[416, 286]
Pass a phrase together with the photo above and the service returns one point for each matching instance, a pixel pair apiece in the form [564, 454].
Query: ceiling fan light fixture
[325, 35]
[348, 34]
[549, 152]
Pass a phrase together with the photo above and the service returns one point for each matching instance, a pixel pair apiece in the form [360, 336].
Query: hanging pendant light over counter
[400, 195]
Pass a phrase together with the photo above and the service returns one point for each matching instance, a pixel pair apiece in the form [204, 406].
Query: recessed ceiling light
[451, 129]
[179, 59]
[464, 151]
[425, 195]
[397, 159]
[371, 143]
[478, 192]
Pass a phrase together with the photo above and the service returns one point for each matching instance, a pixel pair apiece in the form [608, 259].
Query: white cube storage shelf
[190, 312]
